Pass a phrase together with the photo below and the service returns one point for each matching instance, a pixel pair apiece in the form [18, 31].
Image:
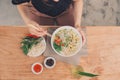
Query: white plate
[68, 28]
[37, 50]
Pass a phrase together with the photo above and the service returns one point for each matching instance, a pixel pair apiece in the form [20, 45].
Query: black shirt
[50, 8]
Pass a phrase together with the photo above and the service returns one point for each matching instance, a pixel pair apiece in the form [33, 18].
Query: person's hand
[36, 29]
[83, 36]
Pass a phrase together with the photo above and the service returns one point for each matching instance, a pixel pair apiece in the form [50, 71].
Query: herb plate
[66, 41]
[33, 46]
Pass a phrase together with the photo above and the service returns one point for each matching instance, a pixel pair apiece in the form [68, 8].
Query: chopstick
[48, 34]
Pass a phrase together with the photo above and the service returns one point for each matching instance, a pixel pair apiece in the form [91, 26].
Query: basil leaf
[25, 49]
[57, 48]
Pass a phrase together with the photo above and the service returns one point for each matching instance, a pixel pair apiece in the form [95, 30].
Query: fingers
[34, 32]
[36, 29]
[37, 32]
[83, 36]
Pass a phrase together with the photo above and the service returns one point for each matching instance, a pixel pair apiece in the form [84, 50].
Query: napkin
[74, 60]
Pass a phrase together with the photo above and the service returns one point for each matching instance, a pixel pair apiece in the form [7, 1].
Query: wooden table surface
[103, 56]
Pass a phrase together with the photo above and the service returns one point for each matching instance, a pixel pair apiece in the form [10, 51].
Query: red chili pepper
[58, 41]
[32, 36]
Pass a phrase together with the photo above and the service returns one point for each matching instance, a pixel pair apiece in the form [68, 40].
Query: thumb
[82, 35]
[83, 38]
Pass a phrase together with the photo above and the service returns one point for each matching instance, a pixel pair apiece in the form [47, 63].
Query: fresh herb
[57, 47]
[87, 74]
[78, 72]
[28, 42]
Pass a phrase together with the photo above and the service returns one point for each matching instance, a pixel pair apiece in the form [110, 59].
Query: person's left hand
[83, 35]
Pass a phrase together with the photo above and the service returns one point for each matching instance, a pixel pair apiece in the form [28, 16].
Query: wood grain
[104, 53]
[103, 58]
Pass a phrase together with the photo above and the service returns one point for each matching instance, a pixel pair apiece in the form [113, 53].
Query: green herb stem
[87, 74]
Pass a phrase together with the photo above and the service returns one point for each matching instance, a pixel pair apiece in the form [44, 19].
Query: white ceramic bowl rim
[68, 27]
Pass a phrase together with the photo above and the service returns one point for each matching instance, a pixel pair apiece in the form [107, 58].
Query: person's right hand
[83, 35]
[36, 29]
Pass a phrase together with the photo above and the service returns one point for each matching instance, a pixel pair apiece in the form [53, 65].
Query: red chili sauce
[37, 68]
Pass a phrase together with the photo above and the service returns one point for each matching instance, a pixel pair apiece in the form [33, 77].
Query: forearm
[78, 7]
[24, 13]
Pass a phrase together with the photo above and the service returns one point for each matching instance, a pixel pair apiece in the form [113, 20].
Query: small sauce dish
[37, 68]
[49, 62]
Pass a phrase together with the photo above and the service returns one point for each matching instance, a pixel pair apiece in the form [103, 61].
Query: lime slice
[75, 70]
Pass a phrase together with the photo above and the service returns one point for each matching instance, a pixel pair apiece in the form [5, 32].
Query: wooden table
[103, 58]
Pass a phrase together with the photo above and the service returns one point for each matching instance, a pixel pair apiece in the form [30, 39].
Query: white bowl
[50, 67]
[66, 27]
[32, 68]
[37, 51]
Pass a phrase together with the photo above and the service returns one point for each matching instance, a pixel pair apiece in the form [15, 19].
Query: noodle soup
[66, 41]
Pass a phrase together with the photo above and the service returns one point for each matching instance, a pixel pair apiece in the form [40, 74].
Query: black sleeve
[15, 2]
